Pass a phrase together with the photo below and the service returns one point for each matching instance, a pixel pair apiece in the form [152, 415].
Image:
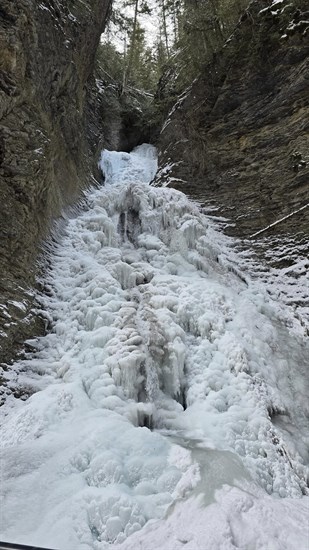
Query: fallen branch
[278, 221]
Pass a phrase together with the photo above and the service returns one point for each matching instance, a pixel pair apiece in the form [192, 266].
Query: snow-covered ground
[170, 407]
[281, 264]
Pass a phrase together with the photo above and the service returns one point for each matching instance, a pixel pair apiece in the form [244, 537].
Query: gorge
[153, 315]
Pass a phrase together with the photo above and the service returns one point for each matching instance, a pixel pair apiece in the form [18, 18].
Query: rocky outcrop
[51, 129]
[241, 132]
[237, 141]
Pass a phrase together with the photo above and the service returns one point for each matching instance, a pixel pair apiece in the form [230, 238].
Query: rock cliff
[241, 132]
[238, 142]
[51, 128]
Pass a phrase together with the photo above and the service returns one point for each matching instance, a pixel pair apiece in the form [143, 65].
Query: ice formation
[168, 389]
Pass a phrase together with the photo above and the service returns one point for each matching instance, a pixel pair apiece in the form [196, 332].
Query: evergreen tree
[137, 39]
[189, 32]
[202, 27]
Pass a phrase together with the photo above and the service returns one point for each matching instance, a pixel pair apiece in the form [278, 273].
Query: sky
[149, 22]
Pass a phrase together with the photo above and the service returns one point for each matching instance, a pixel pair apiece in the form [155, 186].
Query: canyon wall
[53, 120]
[238, 138]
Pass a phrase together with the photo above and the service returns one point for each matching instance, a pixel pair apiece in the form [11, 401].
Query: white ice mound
[138, 166]
[165, 375]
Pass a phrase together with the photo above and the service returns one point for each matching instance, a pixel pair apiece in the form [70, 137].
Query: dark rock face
[241, 133]
[50, 132]
[238, 143]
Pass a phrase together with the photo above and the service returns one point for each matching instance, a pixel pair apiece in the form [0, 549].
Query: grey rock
[50, 135]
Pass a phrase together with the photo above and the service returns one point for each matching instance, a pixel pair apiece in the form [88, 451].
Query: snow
[279, 265]
[277, 3]
[239, 518]
[170, 403]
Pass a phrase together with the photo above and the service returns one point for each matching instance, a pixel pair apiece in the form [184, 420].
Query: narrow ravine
[169, 388]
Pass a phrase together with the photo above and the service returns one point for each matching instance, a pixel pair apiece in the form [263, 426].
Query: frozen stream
[170, 407]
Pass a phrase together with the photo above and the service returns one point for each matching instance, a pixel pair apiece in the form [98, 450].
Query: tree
[203, 26]
[136, 37]
[164, 8]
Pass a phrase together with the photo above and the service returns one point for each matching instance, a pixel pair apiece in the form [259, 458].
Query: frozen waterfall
[169, 399]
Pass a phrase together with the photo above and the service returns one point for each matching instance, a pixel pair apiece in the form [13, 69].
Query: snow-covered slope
[168, 388]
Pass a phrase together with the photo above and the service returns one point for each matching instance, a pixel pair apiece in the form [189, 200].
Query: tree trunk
[128, 69]
[165, 28]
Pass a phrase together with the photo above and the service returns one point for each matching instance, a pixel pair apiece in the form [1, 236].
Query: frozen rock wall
[237, 141]
[49, 133]
[239, 136]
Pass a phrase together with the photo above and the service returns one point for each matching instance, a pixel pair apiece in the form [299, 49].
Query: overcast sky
[149, 22]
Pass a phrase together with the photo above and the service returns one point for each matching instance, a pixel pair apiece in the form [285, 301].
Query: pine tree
[202, 28]
[136, 37]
